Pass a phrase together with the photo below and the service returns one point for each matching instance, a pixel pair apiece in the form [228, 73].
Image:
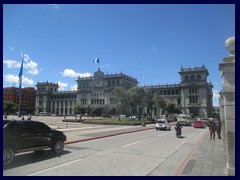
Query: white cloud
[15, 79]
[33, 71]
[62, 85]
[72, 73]
[11, 78]
[30, 65]
[12, 64]
[27, 81]
[216, 94]
[11, 48]
[74, 87]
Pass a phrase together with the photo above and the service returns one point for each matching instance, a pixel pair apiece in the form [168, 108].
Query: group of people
[214, 126]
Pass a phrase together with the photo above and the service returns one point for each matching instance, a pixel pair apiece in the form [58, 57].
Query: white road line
[54, 167]
[162, 134]
[131, 143]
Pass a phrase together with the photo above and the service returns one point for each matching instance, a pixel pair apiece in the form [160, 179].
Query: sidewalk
[208, 160]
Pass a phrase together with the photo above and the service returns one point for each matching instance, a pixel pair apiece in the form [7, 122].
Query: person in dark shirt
[178, 129]
[212, 128]
[218, 128]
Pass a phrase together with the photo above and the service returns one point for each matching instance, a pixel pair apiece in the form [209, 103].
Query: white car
[162, 124]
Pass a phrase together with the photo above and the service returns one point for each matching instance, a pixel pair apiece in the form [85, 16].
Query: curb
[108, 135]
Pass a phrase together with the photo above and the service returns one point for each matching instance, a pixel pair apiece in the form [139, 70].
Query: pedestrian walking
[218, 128]
[212, 128]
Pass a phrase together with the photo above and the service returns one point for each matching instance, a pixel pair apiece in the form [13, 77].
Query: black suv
[22, 136]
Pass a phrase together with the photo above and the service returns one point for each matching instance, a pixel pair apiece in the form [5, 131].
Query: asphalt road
[142, 153]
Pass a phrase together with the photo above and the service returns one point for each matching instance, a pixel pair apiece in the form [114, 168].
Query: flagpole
[20, 88]
[19, 105]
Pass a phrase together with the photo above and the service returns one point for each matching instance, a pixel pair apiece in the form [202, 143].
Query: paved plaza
[208, 159]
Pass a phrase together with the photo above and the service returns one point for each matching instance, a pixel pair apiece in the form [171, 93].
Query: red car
[198, 124]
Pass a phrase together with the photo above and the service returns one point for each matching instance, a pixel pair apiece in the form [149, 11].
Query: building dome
[230, 45]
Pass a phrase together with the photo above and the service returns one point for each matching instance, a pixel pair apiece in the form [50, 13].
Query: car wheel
[58, 147]
[8, 155]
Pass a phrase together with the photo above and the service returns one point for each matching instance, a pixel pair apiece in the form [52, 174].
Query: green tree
[137, 99]
[150, 102]
[173, 108]
[120, 96]
[159, 102]
[9, 107]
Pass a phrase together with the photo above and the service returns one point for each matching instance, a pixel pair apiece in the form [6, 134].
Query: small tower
[196, 91]
[43, 91]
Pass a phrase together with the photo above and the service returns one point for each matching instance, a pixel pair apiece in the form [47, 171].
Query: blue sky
[149, 42]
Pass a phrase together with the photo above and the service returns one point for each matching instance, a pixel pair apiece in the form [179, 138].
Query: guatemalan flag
[96, 60]
[20, 76]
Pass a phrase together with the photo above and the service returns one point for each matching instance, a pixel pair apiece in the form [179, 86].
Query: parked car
[132, 117]
[162, 124]
[198, 124]
[24, 136]
[122, 116]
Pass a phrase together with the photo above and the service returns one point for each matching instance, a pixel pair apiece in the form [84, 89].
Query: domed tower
[98, 78]
[196, 91]
[43, 91]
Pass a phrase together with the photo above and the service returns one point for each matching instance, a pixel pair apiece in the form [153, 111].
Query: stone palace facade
[94, 94]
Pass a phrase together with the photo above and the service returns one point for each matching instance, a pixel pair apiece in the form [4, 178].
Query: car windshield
[160, 121]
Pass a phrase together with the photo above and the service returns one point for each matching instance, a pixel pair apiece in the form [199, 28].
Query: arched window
[186, 78]
[198, 77]
[192, 78]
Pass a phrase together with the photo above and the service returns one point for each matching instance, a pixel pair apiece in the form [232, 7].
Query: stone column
[55, 107]
[68, 107]
[50, 107]
[227, 69]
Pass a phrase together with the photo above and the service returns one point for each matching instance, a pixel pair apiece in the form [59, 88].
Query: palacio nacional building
[94, 94]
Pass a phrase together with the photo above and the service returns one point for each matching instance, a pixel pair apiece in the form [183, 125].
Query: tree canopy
[9, 107]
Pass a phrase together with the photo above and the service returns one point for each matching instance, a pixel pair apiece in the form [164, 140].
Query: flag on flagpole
[20, 76]
[96, 60]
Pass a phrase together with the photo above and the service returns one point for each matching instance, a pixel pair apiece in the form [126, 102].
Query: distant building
[28, 97]
[94, 94]
[193, 93]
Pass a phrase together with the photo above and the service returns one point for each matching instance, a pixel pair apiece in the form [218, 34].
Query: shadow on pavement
[33, 157]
